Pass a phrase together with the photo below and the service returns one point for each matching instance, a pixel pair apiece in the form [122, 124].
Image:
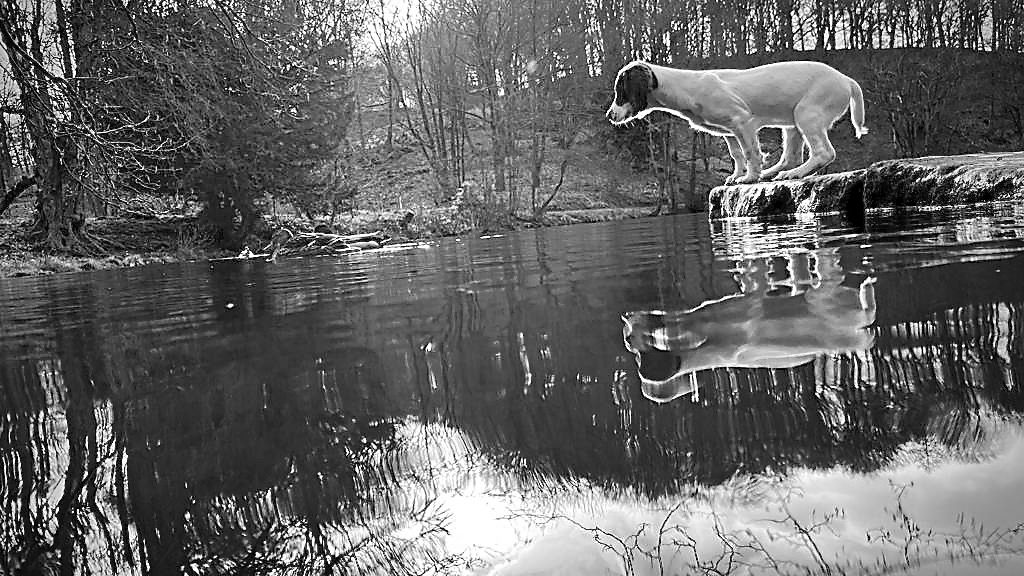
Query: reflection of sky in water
[916, 516]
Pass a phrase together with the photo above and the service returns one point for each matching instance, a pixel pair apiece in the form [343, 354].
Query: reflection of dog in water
[791, 309]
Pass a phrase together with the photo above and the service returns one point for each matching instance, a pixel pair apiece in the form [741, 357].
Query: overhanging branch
[25, 183]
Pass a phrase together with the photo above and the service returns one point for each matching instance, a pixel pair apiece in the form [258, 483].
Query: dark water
[471, 407]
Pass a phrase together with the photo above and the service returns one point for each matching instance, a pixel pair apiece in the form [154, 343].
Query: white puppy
[802, 98]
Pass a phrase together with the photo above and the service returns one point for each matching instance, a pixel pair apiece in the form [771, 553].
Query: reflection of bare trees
[258, 469]
[258, 446]
[60, 465]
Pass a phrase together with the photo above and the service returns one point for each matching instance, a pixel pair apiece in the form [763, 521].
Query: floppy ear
[658, 365]
[640, 82]
[654, 79]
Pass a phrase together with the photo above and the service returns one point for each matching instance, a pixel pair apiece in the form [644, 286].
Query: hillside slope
[918, 102]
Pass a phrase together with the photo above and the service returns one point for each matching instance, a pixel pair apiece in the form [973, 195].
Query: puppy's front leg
[747, 137]
[738, 162]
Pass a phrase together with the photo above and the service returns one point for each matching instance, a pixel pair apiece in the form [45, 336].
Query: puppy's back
[773, 89]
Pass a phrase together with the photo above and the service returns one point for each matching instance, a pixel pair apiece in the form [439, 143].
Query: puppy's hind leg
[792, 153]
[814, 126]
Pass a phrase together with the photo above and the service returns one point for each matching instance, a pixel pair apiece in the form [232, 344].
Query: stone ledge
[829, 193]
[929, 181]
[945, 180]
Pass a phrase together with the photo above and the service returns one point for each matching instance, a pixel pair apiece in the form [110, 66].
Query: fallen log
[284, 242]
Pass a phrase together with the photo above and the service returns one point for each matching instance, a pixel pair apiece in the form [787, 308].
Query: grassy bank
[127, 242]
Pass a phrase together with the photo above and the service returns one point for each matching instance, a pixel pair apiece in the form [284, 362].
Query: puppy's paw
[748, 179]
[786, 175]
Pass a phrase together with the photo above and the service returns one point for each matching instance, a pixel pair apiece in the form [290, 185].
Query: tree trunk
[58, 220]
[6, 159]
[784, 31]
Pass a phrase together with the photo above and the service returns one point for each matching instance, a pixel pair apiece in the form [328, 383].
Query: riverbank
[903, 183]
[128, 242]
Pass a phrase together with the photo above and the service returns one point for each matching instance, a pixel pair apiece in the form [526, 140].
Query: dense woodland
[225, 109]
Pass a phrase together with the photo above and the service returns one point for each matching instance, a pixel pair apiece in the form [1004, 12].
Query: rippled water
[787, 398]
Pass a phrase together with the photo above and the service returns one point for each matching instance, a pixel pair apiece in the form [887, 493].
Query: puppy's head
[660, 342]
[663, 347]
[633, 84]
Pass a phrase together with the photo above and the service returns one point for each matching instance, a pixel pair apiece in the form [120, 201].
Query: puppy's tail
[857, 109]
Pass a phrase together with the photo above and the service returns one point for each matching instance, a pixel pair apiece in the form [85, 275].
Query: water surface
[471, 407]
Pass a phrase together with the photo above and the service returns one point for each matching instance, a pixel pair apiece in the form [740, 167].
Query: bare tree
[45, 98]
[427, 81]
